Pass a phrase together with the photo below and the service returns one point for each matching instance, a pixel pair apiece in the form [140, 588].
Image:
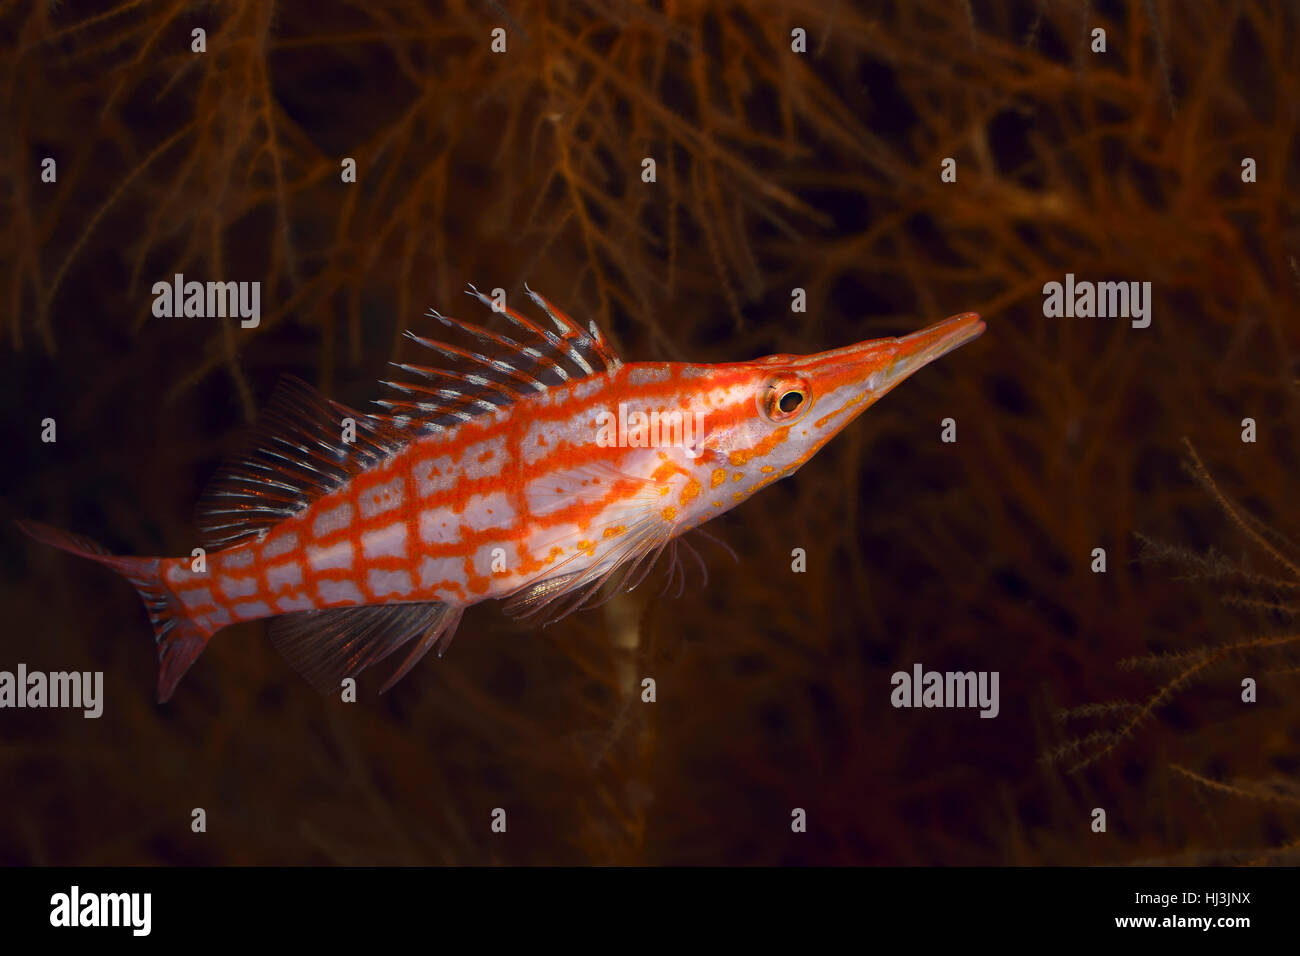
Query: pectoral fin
[562, 592]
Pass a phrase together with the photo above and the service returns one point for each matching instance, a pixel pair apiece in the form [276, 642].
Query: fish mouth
[854, 378]
[915, 351]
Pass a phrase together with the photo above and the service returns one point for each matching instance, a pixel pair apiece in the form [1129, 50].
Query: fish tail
[179, 639]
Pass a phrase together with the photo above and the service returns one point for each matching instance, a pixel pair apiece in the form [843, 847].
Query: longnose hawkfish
[547, 472]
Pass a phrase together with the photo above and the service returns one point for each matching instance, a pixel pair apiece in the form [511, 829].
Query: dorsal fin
[589, 338]
[295, 455]
[546, 358]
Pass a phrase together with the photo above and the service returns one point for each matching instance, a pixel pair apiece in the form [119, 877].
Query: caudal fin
[178, 638]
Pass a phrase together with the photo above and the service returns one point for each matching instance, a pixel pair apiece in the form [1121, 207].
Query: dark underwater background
[774, 170]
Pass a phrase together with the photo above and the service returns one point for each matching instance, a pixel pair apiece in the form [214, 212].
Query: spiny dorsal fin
[295, 455]
[546, 358]
[589, 338]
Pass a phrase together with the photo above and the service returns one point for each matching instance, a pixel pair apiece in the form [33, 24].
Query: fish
[540, 470]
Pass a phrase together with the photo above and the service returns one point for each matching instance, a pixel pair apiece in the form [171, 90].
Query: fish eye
[784, 399]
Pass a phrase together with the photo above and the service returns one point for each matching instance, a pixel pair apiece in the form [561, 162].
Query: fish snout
[868, 370]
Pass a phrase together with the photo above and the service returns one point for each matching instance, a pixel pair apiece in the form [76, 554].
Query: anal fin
[328, 645]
